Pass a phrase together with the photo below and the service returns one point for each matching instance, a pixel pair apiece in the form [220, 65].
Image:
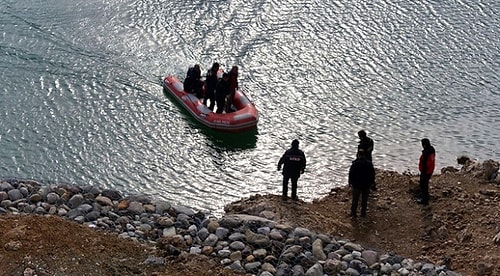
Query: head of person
[234, 69]
[361, 134]
[197, 68]
[295, 144]
[215, 66]
[426, 142]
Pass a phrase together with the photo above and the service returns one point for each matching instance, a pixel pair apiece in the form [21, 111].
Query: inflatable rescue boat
[243, 119]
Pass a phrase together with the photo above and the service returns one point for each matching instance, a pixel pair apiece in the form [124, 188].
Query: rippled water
[81, 97]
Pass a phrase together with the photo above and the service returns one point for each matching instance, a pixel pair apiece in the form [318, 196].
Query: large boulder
[488, 170]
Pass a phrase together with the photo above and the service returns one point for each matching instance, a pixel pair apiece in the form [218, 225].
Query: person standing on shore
[366, 144]
[294, 164]
[361, 178]
[426, 165]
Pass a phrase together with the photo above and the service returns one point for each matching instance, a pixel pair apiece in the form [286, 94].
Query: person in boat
[210, 85]
[222, 92]
[193, 83]
[294, 161]
[233, 86]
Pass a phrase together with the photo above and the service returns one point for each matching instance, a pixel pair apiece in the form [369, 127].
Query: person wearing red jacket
[426, 165]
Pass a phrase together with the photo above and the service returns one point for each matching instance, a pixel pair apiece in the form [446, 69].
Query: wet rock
[370, 256]
[105, 201]
[136, 208]
[14, 194]
[353, 246]
[317, 250]
[75, 201]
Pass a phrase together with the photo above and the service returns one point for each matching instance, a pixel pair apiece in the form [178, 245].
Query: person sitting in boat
[221, 92]
[210, 85]
[233, 86]
[193, 83]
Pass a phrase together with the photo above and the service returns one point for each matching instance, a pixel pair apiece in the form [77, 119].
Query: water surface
[81, 99]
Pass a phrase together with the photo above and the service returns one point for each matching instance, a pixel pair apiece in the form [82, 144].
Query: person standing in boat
[233, 86]
[198, 83]
[221, 92]
[294, 161]
[193, 83]
[210, 85]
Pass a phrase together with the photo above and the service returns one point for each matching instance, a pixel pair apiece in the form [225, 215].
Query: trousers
[356, 193]
[424, 186]
[294, 180]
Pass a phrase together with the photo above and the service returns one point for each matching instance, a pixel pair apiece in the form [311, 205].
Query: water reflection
[232, 141]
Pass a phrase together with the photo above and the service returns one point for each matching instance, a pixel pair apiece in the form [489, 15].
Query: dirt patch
[49, 245]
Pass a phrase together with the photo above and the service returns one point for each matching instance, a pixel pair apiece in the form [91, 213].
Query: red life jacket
[427, 166]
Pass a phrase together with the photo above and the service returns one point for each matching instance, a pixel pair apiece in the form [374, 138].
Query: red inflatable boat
[243, 119]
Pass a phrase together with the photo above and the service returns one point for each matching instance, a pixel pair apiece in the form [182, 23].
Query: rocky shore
[244, 243]
[255, 237]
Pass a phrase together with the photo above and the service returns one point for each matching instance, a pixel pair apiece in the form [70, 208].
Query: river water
[81, 100]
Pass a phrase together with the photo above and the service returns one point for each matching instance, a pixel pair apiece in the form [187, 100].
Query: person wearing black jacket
[366, 144]
[233, 86]
[294, 164]
[221, 92]
[210, 85]
[361, 178]
[193, 83]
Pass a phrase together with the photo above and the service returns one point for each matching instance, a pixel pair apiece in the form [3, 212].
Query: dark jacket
[361, 173]
[192, 81]
[366, 144]
[294, 161]
[233, 82]
[222, 89]
[211, 81]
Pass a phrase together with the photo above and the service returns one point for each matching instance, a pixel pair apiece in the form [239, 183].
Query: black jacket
[192, 80]
[211, 81]
[294, 161]
[222, 89]
[361, 173]
[366, 144]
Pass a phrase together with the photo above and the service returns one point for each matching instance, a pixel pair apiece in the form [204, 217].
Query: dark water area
[81, 99]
